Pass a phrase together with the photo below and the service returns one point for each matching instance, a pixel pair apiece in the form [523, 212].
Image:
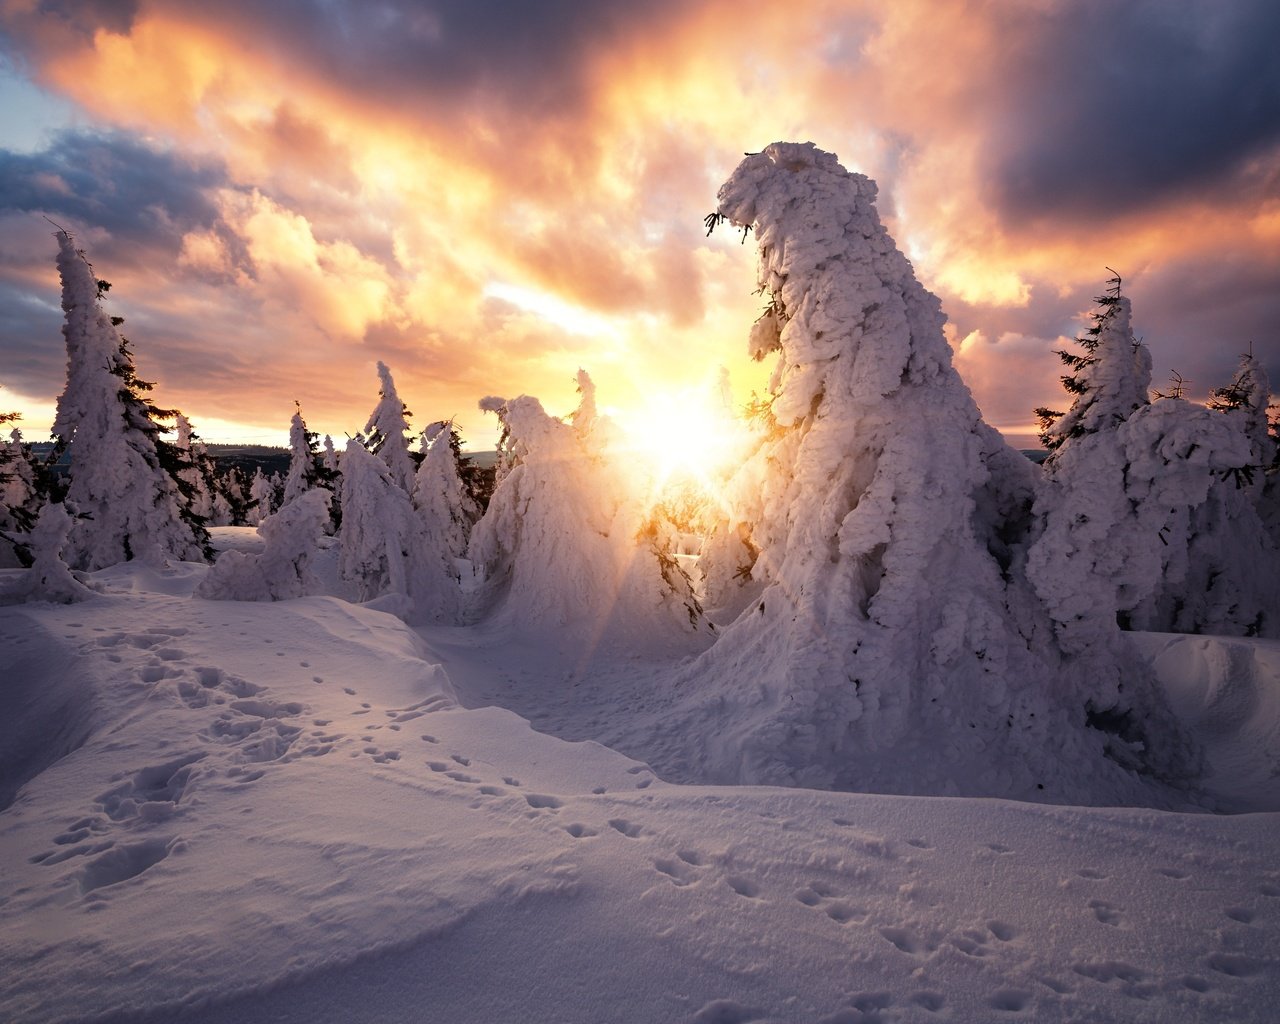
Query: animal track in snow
[1241, 914]
[1093, 874]
[539, 802]
[580, 831]
[627, 828]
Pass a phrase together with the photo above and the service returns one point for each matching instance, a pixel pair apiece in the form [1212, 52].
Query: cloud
[309, 186]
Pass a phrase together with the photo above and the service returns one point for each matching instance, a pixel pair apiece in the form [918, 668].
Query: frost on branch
[128, 505]
[896, 645]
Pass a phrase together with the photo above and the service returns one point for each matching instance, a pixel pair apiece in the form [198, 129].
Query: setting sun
[683, 435]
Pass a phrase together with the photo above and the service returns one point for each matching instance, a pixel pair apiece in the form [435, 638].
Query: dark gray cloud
[1107, 107]
[410, 54]
[144, 198]
[1199, 315]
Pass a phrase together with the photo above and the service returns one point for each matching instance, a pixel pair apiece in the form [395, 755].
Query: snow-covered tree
[385, 551]
[387, 432]
[128, 505]
[1137, 517]
[21, 497]
[262, 497]
[49, 578]
[447, 511]
[196, 476]
[329, 457]
[282, 570]
[564, 545]
[1109, 377]
[895, 645]
[303, 459]
[1221, 572]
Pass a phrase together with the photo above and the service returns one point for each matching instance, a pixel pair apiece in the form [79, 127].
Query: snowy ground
[289, 812]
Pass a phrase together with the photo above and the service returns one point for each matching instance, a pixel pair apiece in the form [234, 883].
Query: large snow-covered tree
[896, 645]
[387, 432]
[127, 503]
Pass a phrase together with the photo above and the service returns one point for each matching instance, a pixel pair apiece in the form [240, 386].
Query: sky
[489, 195]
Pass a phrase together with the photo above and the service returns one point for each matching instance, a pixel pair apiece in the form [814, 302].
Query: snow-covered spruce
[565, 545]
[441, 498]
[262, 496]
[302, 459]
[49, 578]
[127, 505]
[282, 569]
[385, 549]
[1148, 509]
[896, 646]
[20, 498]
[387, 432]
[196, 475]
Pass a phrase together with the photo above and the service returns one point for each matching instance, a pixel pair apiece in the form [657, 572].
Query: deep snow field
[307, 811]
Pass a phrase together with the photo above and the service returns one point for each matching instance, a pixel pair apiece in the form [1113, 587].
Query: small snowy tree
[447, 511]
[1109, 378]
[128, 506]
[196, 473]
[49, 578]
[1134, 519]
[385, 551]
[282, 570]
[387, 432]
[21, 497]
[262, 497]
[564, 545]
[1221, 569]
[303, 458]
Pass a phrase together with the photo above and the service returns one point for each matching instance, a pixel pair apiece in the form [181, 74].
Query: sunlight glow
[683, 437]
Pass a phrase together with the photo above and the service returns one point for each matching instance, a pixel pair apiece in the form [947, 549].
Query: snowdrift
[279, 812]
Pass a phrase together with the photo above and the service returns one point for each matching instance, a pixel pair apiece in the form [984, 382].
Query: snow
[304, 810]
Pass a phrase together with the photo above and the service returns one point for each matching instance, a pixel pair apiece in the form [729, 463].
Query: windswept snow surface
[283, 812]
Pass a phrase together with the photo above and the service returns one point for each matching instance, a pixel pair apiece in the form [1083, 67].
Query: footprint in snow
[1010, 1000]
[1106, 913]
[627, 828]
